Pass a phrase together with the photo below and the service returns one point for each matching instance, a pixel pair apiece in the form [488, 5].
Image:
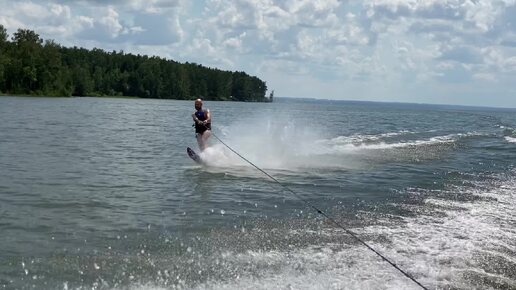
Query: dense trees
[29, 65]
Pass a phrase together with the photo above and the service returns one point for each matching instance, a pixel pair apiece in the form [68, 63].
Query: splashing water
[281, 145]
[273, 144]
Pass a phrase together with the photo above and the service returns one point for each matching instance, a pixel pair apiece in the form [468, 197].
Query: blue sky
[422, 51]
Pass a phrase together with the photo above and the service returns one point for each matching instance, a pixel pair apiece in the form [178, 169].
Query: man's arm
[208, 116]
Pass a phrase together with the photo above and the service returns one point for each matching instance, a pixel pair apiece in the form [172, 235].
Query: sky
[419, 51]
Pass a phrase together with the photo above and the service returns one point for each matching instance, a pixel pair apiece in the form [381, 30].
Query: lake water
[98, 193]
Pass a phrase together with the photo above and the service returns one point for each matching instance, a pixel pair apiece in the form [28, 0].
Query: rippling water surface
[100, 194]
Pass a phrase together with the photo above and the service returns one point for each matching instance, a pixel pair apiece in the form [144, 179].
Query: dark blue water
[100, 194]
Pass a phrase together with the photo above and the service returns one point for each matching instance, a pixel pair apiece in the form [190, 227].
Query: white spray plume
[272, 143]
[282, 143]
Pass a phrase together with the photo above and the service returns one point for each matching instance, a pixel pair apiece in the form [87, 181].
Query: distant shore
[33, 66]
[55, 96]
[122, 97]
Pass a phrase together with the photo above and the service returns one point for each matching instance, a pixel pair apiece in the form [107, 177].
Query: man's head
[198, 104]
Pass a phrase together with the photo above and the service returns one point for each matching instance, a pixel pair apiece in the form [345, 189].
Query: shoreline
[64, 97]
[122, 97]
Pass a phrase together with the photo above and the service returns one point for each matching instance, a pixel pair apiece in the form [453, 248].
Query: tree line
[30, 65]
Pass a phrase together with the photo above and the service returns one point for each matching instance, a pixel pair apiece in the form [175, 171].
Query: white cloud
[461, 54]
[31, 10]
[50, 20]
[154, 6]
[87, 21]
[235, 42]
[110, 23]
[103, 24]
[146, 6]
[148, 29]
[324, 43]
[349, 32]
[313, 13]
[61, 11]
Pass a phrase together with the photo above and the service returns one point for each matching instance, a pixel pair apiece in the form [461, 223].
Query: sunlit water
[100, 194]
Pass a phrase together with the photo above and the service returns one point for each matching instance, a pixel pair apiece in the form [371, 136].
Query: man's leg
[205, 136]
[200, 141]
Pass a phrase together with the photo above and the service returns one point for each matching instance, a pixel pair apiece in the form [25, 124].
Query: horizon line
[396, 102]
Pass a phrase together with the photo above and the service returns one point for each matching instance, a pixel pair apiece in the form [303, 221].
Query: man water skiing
[202, 119]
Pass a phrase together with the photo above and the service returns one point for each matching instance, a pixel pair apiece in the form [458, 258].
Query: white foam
[456, 236]
[302, 268]
[312, 268]
[510, 139]
[445, 243]
[361, 138]
[218, 155]
[350, 143]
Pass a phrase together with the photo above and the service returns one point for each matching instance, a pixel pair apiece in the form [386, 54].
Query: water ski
[193, 155]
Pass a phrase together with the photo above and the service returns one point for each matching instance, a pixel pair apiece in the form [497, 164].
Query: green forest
[31, 66]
